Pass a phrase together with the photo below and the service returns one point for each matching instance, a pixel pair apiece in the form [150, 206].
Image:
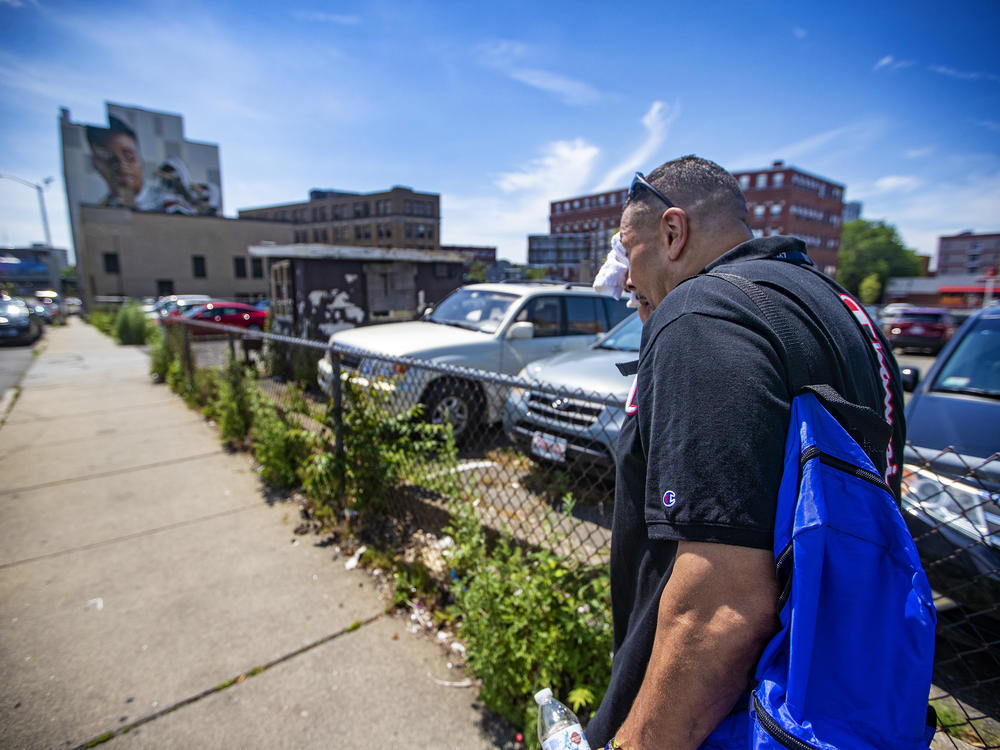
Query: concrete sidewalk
[142, 570]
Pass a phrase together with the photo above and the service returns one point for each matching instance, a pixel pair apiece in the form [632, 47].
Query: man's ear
[674, 228]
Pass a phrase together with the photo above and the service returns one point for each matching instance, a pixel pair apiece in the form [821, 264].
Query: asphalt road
[922, 362]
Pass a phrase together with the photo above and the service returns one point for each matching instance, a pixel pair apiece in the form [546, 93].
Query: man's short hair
[699, 186]
[100, 136]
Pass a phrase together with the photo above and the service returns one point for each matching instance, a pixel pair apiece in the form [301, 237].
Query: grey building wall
[152, 248]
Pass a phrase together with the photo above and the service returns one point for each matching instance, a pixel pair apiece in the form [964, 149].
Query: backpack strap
[863, 424]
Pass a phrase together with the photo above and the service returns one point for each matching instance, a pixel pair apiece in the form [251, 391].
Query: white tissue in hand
[611, 277]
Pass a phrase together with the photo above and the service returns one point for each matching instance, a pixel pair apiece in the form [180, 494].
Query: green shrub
[530, 619]
[279, 446]
[103, 320]
[233, 406]
[204, 392]
[160, 355]
[381, 449]
[130, 325]
[176, 380]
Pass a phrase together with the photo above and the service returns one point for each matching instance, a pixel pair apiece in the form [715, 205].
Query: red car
[226, 313]
[921, 328]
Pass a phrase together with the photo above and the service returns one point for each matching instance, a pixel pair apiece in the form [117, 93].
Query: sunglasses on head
[640, 181]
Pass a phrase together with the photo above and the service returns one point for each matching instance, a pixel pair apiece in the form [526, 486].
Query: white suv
[493, 327]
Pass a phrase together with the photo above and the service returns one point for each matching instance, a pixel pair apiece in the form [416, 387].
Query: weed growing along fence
[523, 576]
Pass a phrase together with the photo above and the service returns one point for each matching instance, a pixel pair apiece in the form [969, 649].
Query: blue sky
[502, 107]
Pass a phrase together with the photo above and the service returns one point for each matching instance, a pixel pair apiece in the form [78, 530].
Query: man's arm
[716, 614]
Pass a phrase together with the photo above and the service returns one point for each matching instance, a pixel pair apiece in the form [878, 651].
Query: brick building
[968, 253]
[487, 255]
[391, 219]
[786, 200]
[570, 257]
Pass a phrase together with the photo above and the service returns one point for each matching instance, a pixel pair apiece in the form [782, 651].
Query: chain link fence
[539, 459]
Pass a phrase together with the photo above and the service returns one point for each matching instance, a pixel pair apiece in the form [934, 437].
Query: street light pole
[41, 201]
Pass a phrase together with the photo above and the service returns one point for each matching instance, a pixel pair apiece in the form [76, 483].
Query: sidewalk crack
[225, 685]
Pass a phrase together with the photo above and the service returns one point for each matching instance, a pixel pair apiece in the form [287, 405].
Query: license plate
[548, 446]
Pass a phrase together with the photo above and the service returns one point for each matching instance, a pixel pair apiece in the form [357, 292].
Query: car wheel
[457, 402]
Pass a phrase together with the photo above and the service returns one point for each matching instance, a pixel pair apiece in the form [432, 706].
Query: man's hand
[716, 614]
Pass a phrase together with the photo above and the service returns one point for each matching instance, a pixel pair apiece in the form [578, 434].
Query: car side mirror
[910, 377]
[521, 331]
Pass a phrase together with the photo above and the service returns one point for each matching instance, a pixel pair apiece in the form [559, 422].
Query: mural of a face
[119, 162]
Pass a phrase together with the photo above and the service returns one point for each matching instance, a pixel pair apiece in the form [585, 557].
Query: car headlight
[968, 509]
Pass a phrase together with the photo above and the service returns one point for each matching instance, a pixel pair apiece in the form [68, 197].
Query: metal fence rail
[525, 448]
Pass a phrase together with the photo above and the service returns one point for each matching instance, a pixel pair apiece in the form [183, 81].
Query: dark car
[951, 479]
[926, 328]
[226, 313]
[19, 322]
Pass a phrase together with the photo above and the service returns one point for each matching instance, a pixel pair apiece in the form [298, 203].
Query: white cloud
[893, 64]
[884, 62]
[336, 18]
[799, 32]
[826, 150]
[896, 182]
[657, 121]
[940, 208]
[522, 205]
[993, 125]
[965, 75]
[506, 57]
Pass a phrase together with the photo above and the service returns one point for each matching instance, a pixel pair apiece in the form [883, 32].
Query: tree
[869, 249]
[477, 272]
[870, 289]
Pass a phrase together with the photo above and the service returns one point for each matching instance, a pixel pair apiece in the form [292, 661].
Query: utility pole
[41, 201]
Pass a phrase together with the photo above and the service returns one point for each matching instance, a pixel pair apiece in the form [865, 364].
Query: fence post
[338, 420]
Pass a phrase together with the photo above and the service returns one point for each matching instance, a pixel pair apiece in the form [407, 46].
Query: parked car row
[499, 328]
[20, 321]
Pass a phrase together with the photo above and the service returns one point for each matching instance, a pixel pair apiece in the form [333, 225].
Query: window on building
[761, 181]
[110, 263]
[240, 267]
[744, 182]
[778, 179]
[257, 268]
[198, 266]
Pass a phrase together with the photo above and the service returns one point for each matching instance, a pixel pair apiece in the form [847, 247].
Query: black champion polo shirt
[700, 459]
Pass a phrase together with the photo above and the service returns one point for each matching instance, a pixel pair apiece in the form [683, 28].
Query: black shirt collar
[788, 249]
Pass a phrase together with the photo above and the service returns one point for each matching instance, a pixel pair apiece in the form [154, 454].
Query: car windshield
[974, 365]
[475, 309]
[625, 336]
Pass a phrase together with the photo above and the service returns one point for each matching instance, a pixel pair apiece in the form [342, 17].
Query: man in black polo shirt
[701, 451]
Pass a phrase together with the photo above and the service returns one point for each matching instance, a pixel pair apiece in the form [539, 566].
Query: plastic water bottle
[558, 727]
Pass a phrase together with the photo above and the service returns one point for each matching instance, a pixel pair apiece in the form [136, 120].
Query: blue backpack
[850, 668]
